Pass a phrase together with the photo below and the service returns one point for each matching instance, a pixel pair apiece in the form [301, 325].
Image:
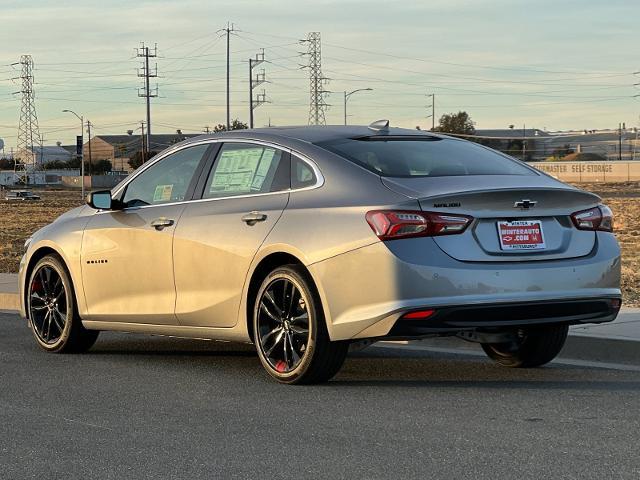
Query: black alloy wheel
[290, 332]
[51, 308]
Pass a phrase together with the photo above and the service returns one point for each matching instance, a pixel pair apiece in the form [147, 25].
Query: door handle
[160, 223]
[253, 218]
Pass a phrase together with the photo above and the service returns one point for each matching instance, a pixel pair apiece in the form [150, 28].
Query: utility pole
[144, 52]
[206, 129]
[81, 155]
[433, 110]
[230, 28]
[524, 142]
[346, 97]
[90, 158]
[144, 150]
[28, 133]
[620, 142]
[254, 82]
[317, 81]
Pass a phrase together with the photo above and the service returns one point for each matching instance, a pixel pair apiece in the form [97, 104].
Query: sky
[555, 65]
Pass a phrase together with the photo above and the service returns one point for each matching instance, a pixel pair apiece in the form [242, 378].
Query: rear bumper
[366, 291]
[509, 315]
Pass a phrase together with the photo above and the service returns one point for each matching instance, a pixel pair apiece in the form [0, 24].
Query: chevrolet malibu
[308, 240]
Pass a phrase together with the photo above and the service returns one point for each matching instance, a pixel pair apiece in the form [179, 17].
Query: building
[40, 156]
[119, 149]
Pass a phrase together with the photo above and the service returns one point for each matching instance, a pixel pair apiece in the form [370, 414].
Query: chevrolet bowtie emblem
[525, 204]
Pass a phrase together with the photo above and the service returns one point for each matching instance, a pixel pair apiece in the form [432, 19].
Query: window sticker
[236, 170]
[263, 168]
[162, 193]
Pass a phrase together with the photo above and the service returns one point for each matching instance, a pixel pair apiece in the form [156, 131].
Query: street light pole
[346, 97]
[80, 117]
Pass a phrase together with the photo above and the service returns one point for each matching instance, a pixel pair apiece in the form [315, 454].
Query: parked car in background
[306, 240]
[21, 195]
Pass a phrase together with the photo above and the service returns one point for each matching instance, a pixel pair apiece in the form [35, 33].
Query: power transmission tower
[229, 29]
[28, 133]
[254, 82]
[317, 81]
[144, 52]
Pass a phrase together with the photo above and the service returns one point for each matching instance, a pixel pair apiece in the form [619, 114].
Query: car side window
[166, 181]
[246, 168]
[302, 174]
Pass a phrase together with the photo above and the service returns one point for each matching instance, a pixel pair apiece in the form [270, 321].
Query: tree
[562, 151]
[235, 125]
[135, 161]
[460, 123]
[6, 164]
[101, 167]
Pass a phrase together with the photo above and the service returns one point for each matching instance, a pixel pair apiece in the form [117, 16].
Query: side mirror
[100, 200]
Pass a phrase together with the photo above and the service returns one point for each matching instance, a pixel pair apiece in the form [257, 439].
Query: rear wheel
[290, 332]
[52, 312]
[532, 347]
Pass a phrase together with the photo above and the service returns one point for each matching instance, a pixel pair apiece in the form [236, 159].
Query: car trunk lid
[515, 201]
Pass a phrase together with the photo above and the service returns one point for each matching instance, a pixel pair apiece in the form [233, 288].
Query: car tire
[533, 347]
[52, 311]
[289, 329]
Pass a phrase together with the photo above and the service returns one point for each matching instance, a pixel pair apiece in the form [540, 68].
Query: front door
[127, 260]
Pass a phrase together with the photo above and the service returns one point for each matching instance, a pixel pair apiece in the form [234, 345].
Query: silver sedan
[307, 241]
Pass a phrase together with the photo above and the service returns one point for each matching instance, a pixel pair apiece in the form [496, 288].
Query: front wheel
[290, 332]
[531, 347]
[53, 316]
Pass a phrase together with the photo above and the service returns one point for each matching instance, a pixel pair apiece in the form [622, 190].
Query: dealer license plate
[521, 235]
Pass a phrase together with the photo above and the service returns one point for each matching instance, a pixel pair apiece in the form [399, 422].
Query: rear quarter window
[425, 157]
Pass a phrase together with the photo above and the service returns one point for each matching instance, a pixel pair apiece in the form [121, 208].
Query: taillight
[596, 218]
[392, 224]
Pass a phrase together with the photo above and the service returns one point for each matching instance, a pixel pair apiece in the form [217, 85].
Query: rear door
[127, 260]
[243, 195]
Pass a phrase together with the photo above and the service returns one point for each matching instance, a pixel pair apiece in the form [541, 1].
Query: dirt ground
[19, 219]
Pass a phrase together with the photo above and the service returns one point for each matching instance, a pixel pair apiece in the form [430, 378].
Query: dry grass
[624, 200]
[18, 220]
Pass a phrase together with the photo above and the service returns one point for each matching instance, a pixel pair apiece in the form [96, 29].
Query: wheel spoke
[285, 284]
[267, 336]
[43, 282]
[275, 344]
[266, 310]
[299, 330]
[286, 354]
[48, 316]
[58, 314]
[294, 354]
[304, 318]
[269, 296]
[56, 294]
[292, 301]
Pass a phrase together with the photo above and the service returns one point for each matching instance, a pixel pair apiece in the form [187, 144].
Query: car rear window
[424, 157]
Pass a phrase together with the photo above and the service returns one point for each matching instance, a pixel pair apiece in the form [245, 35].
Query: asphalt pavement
[164, 408]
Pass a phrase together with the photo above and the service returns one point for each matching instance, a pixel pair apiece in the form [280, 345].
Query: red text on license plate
[521, 235]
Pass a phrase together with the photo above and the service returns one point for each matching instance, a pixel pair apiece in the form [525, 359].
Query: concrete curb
[577, 347]
[9, 301]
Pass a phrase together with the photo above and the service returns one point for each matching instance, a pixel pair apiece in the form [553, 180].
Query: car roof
[314, 133]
